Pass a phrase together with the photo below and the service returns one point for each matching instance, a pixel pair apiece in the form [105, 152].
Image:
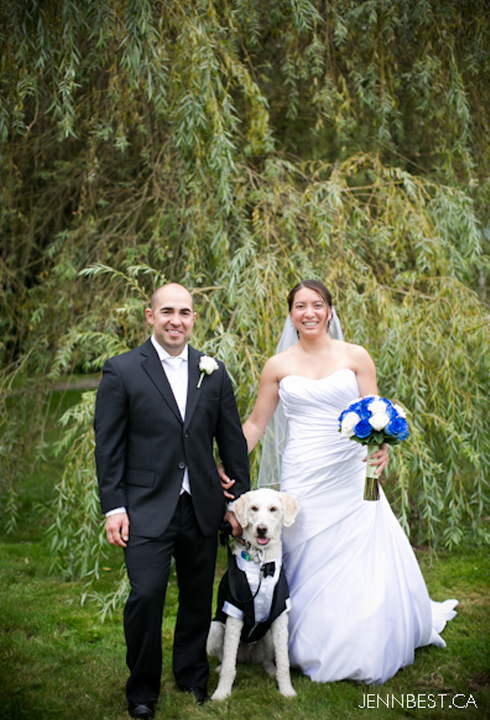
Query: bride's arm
[365, 370]
[366, 380]
[265, 405]
[254, 427]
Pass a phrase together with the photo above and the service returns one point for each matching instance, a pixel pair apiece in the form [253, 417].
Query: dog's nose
[261, 530]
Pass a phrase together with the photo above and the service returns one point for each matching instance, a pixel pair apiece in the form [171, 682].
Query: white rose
[379, 420]
[208, 364]
[348, 424]
[377, 406]
[401, 411]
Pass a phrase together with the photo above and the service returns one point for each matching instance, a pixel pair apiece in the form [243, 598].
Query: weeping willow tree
[238, 147]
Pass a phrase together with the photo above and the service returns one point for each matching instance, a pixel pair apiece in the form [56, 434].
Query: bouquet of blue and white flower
[372, 421]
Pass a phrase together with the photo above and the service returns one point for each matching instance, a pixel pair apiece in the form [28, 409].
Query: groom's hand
[226, 482]
[117, 529]
[231, 518]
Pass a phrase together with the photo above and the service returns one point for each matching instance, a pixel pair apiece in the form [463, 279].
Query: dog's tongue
[262, 541]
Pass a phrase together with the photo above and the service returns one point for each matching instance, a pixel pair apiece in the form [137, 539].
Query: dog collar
[251, 552]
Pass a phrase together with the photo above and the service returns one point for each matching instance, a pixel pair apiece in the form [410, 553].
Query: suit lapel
[152, 365]
[193, 394]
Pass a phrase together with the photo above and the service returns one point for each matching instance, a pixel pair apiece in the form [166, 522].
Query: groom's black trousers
[148, 565]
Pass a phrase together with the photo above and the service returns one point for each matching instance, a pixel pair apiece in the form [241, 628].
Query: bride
[359, 603]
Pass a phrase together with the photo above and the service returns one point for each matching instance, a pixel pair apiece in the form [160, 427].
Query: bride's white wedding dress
[359, 603]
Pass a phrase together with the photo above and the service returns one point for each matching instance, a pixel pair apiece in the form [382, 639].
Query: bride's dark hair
[311, 285]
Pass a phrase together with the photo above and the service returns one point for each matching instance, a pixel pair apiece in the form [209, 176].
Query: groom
[156, 417]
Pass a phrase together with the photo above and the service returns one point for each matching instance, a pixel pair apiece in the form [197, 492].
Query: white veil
[276, 433]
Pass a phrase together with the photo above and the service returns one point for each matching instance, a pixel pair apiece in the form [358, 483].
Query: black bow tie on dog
[268, 569]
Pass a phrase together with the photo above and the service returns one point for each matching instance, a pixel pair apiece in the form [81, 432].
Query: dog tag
[245, 555]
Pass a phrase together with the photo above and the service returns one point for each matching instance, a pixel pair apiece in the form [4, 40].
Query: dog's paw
[288, 692]
[220, 694]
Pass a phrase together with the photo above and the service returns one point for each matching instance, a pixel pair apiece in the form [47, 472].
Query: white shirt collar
[163, 354]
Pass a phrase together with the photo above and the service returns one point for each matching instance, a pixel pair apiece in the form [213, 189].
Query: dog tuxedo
[251, 623]
[254, 593]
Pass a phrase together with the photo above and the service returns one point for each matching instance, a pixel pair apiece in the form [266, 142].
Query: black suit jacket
[143, 446]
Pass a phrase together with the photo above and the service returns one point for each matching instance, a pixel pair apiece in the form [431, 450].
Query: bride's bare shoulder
[277, 365]
[357, 354]
[352, 348]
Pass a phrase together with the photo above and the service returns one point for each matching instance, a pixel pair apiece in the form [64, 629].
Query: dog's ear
[239, 507]
[290, 508]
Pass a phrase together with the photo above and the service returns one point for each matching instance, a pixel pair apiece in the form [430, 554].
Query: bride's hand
[380, 458]
[226, 482]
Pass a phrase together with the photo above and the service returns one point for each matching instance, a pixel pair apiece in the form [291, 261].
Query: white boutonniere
[207, 365]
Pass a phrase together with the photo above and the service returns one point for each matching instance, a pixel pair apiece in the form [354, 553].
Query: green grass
[58, 661]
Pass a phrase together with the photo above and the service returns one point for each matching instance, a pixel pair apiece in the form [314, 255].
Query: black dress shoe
[142, 711]
[200, 693]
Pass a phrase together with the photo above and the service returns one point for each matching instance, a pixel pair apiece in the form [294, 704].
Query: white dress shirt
[176, 368]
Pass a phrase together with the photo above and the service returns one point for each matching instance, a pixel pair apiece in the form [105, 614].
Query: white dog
[253, 594]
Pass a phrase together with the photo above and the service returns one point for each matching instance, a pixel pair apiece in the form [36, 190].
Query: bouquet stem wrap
[371, 489]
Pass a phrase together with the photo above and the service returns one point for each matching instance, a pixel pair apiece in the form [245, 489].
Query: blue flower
[397, 427]
[363, 429]
[361, 408]
[391, 410]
